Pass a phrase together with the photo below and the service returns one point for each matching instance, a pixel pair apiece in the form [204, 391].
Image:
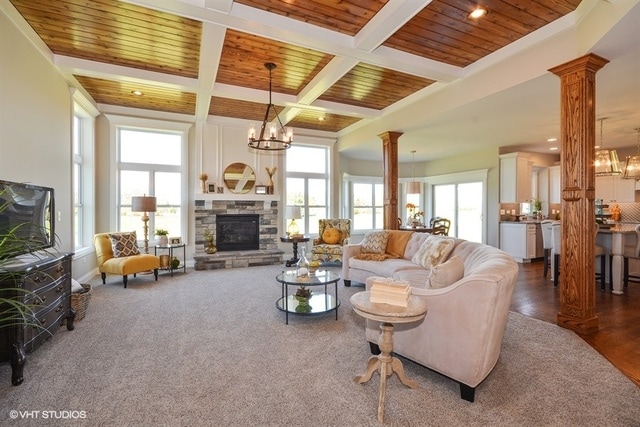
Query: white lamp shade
[294, 212]
[143, 204]
[414, 187]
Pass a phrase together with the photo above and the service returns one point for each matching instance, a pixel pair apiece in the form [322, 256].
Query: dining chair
[440, 226]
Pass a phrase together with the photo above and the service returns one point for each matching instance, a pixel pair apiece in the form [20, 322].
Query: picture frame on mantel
[211, 188]
[261, 189]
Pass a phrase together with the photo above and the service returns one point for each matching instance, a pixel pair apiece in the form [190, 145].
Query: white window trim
[116, 122]
[82, 106]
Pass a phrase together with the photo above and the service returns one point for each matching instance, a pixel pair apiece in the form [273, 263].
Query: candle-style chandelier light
[278, 138]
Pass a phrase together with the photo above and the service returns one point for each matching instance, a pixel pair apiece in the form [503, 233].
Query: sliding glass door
[462, 203]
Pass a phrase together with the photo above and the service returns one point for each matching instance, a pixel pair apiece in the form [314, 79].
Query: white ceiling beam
[387, 21]
[126, 74]
[210, 53]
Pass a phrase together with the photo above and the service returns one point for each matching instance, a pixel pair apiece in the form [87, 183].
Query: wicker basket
[80, 301]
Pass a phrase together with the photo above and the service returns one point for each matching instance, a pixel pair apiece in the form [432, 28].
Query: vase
[303, 304]
[163, 241]
[210, 248]
[204, 185]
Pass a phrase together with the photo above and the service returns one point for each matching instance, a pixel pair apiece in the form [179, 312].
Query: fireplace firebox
[237, 232]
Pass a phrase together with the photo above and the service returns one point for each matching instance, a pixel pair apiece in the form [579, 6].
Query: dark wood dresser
[50, 279]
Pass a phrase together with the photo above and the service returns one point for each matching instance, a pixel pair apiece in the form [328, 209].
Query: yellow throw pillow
[331, 236]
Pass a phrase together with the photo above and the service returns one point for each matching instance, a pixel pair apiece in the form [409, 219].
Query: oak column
[390, 178]
[577, 123]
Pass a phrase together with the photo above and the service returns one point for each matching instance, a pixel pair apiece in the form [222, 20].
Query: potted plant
[163, 234]
[15, 308]
[303, 295]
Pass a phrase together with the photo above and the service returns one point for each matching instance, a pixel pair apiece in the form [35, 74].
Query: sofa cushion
[375, 242]
[331, 236]
[433, 251]
[124, 244]
[386, 268]
[397, 242]
[447, 273]
[415, 241]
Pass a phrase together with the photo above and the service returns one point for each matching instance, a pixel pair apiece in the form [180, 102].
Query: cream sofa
[461, 335]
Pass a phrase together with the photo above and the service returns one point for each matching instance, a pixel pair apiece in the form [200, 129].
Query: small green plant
[162, 232]
[17, 304]
[537, 205]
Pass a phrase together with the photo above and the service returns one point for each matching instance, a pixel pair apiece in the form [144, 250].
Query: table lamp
[144, 204]
[294, 213]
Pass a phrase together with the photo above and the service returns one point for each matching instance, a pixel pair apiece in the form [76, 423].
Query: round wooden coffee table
[384, 363]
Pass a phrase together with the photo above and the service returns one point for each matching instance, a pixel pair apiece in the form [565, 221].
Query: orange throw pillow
[331, 236]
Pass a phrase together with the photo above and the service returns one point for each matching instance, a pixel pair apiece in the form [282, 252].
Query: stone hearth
[268, 253]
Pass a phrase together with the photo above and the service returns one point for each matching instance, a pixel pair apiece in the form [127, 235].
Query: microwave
[526, 208]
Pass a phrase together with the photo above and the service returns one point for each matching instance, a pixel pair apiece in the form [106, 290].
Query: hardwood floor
[618, 338]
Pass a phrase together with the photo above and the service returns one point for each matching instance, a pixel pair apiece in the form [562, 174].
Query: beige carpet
[210, 348]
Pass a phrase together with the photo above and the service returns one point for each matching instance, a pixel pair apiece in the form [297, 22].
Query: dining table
[418, 228]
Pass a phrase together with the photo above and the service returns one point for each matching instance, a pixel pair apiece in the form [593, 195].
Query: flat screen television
[26, 223]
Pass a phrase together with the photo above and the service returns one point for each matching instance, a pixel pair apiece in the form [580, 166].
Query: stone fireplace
[233, 251]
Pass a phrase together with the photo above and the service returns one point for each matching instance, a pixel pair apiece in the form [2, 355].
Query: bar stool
[631, 252]
[547, 243]
[556, 232]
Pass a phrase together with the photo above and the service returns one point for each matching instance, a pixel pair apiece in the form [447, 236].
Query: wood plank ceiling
[317, 85]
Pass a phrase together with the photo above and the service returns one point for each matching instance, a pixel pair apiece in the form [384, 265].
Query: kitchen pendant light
[413, 187]
[606, 161]
[278, 137]
[632, 164]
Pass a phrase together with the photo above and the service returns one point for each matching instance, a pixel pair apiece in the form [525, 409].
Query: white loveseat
[461, 335]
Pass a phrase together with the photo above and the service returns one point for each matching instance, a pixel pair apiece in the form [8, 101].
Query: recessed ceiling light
[322, 118]
[477, 13]
[553, 148]
[552, 139]
[137, 92]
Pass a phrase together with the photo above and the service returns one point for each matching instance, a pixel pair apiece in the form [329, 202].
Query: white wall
[36, 110]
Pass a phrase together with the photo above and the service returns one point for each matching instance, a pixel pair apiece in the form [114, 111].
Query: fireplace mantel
[233, 196]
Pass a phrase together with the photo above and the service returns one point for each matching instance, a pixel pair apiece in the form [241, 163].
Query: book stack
[389, 291]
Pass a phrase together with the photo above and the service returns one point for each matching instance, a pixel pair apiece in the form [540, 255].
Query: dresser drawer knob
[59, 289]
[59, 308]
[42, 321]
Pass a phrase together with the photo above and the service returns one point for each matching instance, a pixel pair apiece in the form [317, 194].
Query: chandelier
[277, 138]
[606, 161]
[632, 165]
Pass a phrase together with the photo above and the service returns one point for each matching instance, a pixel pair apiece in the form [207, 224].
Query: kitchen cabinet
[521, 240]
[515, 178]
[614, 189]
[554, 185]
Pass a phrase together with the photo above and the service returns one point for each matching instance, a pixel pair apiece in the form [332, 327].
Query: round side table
[384, 363]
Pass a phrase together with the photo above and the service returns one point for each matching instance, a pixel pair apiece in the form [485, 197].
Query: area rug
[210, 348]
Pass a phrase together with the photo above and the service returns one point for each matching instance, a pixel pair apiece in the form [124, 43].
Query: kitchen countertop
[619, 228]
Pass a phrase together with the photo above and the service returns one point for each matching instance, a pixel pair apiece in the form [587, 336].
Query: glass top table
[321, 300]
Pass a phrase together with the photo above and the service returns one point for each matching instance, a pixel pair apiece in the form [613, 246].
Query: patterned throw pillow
[331, 236]
[447, 273]
[434, 250]
[375, 242]
[124, 244]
